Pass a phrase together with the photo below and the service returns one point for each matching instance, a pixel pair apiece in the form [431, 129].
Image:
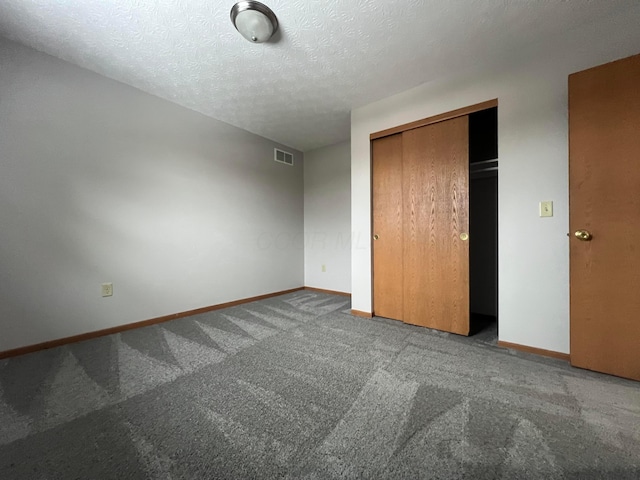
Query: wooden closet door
[387, 227]
[604, 201]
[436, 204]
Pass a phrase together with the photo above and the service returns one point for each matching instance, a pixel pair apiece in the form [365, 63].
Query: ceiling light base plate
[255, 21]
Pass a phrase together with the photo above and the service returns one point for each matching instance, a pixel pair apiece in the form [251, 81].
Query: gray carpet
[295, 387]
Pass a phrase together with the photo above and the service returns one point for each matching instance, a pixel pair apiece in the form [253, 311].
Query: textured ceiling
[328, 57]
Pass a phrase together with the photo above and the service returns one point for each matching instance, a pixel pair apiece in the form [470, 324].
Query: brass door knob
[583, 235]
[376, 236]
[464, 237]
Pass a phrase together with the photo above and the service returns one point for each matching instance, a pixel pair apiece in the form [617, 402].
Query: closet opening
[483, 225]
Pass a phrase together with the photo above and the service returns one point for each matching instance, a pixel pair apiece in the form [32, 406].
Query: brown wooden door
[436, 205]
[604, 198]
[420, 209]
[387, 227]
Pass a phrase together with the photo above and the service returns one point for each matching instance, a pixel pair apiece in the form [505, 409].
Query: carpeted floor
[295, 387]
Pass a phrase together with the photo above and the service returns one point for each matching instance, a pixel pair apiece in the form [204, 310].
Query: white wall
[327, 217]
[100, 182]
[532, 124]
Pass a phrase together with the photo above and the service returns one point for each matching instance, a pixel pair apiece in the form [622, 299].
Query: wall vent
[282, 156]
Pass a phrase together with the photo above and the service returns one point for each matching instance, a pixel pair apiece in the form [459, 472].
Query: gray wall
[327, 217]
[100, 182]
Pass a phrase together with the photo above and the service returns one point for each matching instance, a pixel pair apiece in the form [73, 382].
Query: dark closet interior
[483, 223]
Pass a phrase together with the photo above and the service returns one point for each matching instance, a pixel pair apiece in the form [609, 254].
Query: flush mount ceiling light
[255, 21]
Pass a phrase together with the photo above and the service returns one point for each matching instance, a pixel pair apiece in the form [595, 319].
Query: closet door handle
[464, 237]
[376, 236]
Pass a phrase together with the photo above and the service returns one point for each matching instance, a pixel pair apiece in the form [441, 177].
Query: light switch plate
[106, 289]
[546, 209]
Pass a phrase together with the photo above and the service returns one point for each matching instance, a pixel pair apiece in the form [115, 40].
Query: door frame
[403, 128]
[435, 119]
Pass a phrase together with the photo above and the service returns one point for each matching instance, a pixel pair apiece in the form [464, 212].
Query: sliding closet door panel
[387, 227]
[435, 215]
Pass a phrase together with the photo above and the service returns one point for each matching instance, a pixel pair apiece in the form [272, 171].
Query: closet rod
[484, 161]
[480, 170]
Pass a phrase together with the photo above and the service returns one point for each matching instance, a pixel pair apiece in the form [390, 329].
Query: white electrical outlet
[546, 209]
[324, 268]
[107, 289]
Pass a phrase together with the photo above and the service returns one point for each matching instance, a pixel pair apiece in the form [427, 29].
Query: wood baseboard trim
[130, 326]
[358, 313]
[537, 351]
[332, 292]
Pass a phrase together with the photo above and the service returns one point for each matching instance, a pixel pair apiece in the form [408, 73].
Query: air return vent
[282, 156]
